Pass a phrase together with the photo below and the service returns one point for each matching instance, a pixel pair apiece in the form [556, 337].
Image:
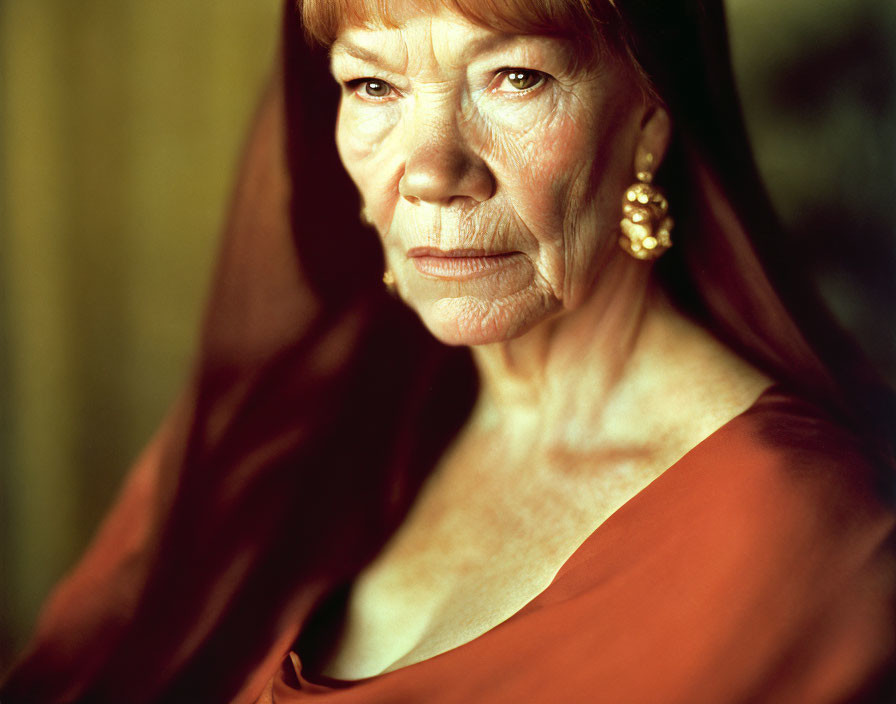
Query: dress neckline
[321, 682]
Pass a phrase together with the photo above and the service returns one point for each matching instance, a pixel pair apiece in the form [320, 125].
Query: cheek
[362, 140]
[544, 173]
[564, 182]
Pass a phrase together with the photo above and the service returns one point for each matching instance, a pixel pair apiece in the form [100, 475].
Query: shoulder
[785, 477]
[787, 459]
[760, 567]
[801, 526]
[762, 563]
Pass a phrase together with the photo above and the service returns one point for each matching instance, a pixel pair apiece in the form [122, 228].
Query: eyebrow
[489, 42]
[358, 52]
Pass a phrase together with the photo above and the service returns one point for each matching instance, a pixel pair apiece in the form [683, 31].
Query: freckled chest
[475, 549]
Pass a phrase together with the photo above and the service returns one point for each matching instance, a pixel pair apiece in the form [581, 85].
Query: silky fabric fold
[316, 406]
[760, 567]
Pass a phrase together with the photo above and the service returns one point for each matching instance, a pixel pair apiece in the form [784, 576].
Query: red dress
[758, 568]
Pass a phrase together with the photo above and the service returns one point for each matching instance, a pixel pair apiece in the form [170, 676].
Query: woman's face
[492, 169]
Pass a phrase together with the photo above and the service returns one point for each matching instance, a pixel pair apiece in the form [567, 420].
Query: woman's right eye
[370, 88]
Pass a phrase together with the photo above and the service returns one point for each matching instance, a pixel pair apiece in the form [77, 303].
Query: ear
[653, 140]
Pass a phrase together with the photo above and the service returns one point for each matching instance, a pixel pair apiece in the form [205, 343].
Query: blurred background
[121, 123]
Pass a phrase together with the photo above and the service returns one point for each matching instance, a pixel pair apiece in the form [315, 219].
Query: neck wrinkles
[571, 365]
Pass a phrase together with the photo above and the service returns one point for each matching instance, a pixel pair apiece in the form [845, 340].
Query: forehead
[584, 22]
[446, 35]
[391, 13]
[503, 15]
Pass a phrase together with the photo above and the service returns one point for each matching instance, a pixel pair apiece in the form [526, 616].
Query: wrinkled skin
[590, 383]
[449, 151]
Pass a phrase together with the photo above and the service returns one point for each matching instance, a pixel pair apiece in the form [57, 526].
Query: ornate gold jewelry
[389, 281]
[646, 226]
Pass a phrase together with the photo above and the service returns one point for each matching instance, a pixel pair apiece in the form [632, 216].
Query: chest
[475, 549]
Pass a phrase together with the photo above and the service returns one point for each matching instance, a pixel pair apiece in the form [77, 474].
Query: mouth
[460, 264]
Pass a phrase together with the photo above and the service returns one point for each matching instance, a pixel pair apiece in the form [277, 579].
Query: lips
[460, 264]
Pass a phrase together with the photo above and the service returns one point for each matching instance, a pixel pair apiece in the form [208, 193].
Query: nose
[441, 167]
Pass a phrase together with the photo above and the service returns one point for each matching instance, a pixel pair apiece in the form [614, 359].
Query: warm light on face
[491, 168]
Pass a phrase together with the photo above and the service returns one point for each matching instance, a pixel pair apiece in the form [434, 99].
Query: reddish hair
[324, 19]
[591, 25]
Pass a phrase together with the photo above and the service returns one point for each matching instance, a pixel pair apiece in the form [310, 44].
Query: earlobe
[646, 225]
[656, 131]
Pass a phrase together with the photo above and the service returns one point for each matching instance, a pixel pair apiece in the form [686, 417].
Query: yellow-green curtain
[120, 126]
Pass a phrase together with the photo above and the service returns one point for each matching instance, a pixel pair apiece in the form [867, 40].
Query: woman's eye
[518, 80]
[371, 88]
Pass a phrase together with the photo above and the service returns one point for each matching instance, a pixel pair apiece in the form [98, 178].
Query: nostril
[443, 170]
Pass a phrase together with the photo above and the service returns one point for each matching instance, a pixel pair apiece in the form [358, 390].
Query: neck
[570, 367]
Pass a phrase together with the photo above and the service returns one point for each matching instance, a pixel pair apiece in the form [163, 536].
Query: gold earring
[646, 226]
[389, 281]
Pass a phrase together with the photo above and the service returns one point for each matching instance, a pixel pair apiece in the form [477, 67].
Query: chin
[471, 321]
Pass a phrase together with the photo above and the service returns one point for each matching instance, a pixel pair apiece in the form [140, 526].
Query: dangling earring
[389, 281]
[646, 226]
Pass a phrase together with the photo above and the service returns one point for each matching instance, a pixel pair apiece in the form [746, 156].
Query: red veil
[318, 403]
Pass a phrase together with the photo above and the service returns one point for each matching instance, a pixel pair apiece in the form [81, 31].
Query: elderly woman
[657, 474]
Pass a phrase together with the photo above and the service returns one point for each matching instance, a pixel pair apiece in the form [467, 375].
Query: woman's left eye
[519, 80]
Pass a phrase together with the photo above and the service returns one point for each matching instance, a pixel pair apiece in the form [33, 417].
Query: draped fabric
[314, 396]
[748, 571]
[318, 403]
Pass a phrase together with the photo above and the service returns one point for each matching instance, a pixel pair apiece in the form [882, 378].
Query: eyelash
[505, 73]
[354, 85]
